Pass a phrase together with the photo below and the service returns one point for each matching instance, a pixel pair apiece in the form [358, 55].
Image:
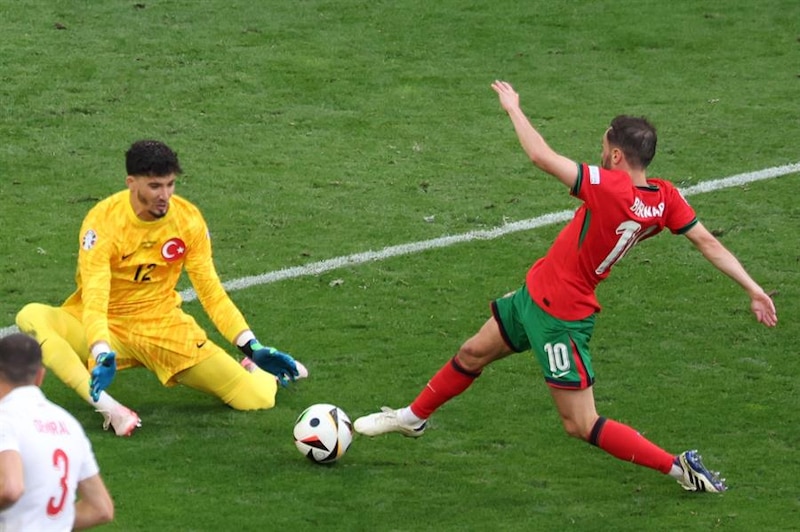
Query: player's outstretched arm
[539, 152]
[712, 249]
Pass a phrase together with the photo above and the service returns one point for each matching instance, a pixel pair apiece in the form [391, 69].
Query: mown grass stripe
[316, 268]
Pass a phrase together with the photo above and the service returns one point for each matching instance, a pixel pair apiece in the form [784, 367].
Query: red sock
[448, 382]
[626, 444]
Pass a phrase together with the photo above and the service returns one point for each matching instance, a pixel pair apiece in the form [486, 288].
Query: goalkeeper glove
[102, 374]
[272, 361]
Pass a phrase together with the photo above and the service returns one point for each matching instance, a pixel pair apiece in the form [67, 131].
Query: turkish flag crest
[173, 249]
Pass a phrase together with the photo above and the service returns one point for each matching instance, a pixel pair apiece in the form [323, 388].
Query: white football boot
[386, 421]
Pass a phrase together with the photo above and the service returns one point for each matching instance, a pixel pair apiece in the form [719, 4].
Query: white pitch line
[316, 268]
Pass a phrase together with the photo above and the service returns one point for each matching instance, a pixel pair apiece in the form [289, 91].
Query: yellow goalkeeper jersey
[129, 268]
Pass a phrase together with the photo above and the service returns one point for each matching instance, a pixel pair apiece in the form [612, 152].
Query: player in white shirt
[49, 478]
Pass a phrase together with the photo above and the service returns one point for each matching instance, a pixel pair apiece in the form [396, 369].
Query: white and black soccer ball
[323, 432]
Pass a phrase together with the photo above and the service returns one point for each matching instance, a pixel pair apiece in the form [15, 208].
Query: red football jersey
[615, 215]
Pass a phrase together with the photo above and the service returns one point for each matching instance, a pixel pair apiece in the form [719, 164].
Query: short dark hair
[151, 158]
[636, 137]
[20, 359]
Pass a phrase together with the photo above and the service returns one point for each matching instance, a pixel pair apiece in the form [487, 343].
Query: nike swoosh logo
[200, 344]
[129, 255]
[559, 375]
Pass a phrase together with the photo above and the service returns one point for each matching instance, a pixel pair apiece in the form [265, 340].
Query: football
[323, 432]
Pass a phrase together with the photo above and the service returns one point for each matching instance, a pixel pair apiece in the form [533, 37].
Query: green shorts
[561, 347]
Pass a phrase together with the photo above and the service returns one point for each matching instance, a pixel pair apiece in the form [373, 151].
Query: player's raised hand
[102, 374]
[764, 309]
[509, 99]
[278, 363]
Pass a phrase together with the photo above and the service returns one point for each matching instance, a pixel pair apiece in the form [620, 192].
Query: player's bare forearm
[94, 506]
[722, 259]
[12, 478]
[537, 149]
[712, 249]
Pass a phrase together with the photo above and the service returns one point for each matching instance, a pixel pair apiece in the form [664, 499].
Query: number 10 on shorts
[558, 359]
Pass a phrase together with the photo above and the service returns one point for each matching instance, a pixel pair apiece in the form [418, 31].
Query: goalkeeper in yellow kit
[125, 311]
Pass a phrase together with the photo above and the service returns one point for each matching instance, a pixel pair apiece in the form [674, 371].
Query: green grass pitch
[318, 129]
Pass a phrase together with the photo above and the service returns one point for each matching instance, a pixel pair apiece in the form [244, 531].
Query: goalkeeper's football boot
[387, 420]
[695, 475]
[251, 366]
[123, 420]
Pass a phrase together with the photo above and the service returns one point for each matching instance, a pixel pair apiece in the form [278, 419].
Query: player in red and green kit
[125, 311]
[553, 314]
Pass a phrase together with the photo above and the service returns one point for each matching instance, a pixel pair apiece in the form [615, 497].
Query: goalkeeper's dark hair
[636, 137]
[20, 359]
[151, 158]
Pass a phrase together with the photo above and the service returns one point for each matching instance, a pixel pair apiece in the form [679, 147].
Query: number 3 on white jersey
[61, 464]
